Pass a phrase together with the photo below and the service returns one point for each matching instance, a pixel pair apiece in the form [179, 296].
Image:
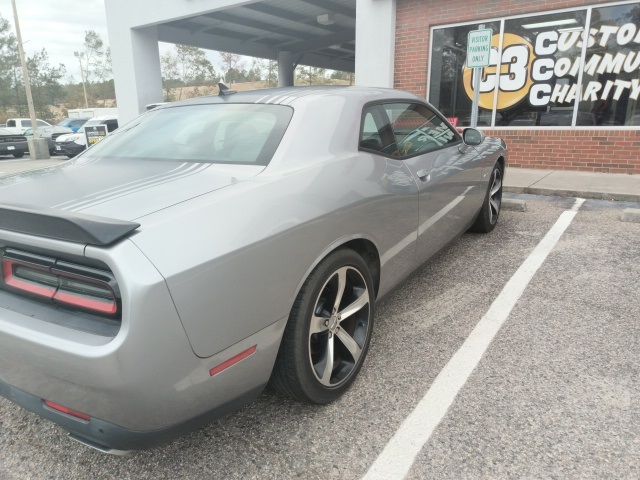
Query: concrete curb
[631, 215]
[620, 197]
[514, 204]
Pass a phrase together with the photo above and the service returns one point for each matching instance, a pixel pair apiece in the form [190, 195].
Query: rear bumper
[110, 438]
[68, 148]
[9, 148]
[139, 385]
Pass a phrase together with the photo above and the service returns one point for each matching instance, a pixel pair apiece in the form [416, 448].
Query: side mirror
[473, 137]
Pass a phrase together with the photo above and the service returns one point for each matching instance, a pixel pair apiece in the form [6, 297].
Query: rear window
[211, 133]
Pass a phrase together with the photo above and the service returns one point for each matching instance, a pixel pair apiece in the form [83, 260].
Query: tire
[490, 211]
[300, 371]
[18, 154]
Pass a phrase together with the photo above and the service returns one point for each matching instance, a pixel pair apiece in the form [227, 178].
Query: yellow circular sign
[513, 80]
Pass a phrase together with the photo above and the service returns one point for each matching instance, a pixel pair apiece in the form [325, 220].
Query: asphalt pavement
[554, 396]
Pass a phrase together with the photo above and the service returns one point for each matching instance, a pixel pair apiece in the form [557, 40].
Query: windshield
[72, 122]
[92, 122]
[211, 133]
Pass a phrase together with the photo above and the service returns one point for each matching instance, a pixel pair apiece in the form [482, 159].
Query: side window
[42, 123]
[370, 136]
[417, 130]
[11, 123]
[25, 123]
[375, 132]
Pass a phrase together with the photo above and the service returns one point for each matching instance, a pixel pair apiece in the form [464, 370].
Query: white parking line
[400, 452]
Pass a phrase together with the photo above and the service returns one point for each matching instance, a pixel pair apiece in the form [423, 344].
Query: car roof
[24, 118]
[289, 95]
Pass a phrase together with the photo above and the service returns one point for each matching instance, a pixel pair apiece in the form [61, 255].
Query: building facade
[559, 102]
[561, 98]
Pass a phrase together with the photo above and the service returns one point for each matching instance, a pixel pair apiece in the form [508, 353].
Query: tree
[272, 73]
[231, 61]
[8, 64]
[187, 66]
[311, 75]
[234, 70]
[255, 72]
[45, 81]
[96, 60]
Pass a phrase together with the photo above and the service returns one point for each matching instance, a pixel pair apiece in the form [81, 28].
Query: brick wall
[593, 150]
[613, 151]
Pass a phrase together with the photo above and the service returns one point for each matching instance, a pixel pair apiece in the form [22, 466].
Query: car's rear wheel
[329, 329]
[18, 154]
[488, 216]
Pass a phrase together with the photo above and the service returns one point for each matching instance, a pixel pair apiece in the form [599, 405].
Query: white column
[136, 67]
[375, 42]
[286, 68]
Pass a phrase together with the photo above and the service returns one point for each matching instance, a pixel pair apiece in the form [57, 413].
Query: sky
[59, 26]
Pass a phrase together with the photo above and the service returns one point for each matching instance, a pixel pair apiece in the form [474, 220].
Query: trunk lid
[116, 188]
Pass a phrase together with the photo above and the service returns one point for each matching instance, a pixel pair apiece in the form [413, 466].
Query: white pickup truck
[24, 123]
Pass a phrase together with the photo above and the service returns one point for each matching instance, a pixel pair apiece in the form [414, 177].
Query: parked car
[12, 143]
[73, 123]
[170, 272]
[74, 143]
[51, 134]
[24, 123]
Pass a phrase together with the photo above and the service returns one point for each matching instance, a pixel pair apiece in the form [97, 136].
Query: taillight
[62, 282]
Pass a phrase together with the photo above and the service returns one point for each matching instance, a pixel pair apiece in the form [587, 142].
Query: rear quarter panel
[235, 259]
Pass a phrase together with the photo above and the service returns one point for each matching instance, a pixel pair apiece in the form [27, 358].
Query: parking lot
[555, 395]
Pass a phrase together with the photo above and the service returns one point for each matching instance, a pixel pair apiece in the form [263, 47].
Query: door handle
[423, 174]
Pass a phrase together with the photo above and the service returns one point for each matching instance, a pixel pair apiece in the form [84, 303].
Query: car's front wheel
[18, 154]
[329, 329]
[488, 216]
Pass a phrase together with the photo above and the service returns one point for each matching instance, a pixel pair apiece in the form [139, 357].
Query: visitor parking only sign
[479, 48]
[95, 133]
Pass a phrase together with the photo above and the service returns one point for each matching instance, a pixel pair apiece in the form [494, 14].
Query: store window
[451, 83]
[611, 78]
[544, 75]
[541, 58]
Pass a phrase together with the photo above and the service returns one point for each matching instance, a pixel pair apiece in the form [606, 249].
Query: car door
[396, 216]
[445, 169]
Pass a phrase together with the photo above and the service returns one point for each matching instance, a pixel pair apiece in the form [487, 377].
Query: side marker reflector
[67, 411]
[249, 352]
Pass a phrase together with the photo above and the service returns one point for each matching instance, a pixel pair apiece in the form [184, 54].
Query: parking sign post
[478, 57]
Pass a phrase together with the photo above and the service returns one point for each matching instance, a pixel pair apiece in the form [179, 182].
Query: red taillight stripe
[67, 411]
[11, 280]
[107, 307]
[59, 294]
[249, 352]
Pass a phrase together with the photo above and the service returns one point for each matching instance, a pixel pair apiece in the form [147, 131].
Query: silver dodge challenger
[214, 246]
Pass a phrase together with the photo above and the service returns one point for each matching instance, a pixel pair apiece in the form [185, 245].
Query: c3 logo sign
[514, 76]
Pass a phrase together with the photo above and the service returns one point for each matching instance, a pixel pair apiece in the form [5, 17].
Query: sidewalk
[566, 183]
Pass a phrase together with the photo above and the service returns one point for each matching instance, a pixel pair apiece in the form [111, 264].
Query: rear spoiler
[58, 225]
